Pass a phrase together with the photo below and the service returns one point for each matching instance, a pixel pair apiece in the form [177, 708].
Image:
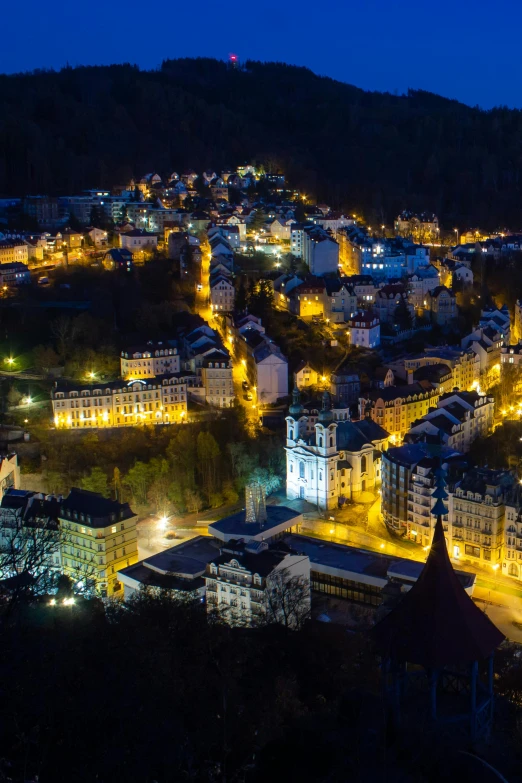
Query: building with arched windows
[333, 461]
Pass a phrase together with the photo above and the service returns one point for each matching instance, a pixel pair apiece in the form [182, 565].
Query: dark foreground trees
[154, 692]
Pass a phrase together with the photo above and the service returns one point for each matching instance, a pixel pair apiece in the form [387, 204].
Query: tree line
[367, 151]
[171, 470]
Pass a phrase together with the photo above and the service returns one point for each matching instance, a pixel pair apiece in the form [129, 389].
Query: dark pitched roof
[437, 623]
[393, 392]
[354, 435]
[432, 372]
[95, 506]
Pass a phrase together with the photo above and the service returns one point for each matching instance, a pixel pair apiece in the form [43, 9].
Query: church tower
[327, 456]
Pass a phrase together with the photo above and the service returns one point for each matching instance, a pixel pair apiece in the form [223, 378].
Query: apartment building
[320, 252]
[222, 293]
[29, 522]
[476, 507]
[100, 539]
[464, 365]
[12, 251]
[512, 558]
[15, 273]
[246, 584]
[397, 407]
[148, 360]
[458, 420]
[364, 329]
[216, 374]
[420, 520]
[159, 400]
[425, 225]
[442, 305]
[397, 469]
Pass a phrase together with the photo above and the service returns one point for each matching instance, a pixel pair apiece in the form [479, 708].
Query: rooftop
[436, 623]
[278, 519]
[101, 510]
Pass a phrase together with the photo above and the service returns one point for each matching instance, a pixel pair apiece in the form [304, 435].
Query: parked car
[245, 386]
[248, 396]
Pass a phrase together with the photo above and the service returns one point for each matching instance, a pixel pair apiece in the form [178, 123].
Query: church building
[336, 460]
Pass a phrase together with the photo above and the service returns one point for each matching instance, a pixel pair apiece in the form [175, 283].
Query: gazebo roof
[437, 623]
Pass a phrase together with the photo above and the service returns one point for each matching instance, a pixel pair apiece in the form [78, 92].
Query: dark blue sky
[461, 49]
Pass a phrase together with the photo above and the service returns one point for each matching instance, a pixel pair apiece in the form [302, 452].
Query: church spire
[436, 623]
[326, 416]
[295, 408]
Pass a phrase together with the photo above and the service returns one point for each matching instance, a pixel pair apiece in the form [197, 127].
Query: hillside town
[367, 356]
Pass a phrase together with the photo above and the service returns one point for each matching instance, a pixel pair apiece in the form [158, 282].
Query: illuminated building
[149, 360]
[464, 365]
[158, 400]
[406, 489]
[305, 375]
[423, 225]
[459, 419]
[442, 304]
[216, 374]
[12, 251]
[477, 513]
[335, 461]
[222, 293]
[9, 473]
[245, 582]
[100, 539]
[364, 329]
[397, 407]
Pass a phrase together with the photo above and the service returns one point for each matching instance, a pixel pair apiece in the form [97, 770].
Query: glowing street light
[162, 522]
[91, 375]
[9, 360]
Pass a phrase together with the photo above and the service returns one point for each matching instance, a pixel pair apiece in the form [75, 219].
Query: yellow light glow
[382, 546]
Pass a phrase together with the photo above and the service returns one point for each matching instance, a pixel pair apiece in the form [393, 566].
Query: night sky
[460, 49]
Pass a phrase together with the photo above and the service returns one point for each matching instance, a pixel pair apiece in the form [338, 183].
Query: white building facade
[336, 461]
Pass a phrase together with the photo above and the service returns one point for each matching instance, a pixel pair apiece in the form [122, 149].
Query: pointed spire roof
[437, 623]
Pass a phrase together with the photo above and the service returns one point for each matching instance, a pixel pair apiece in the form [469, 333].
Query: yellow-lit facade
[149, 361]
[161, 400]
[398, 414]
[94, 550]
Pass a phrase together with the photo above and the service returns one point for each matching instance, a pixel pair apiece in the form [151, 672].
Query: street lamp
[9, 360]
[457, 233]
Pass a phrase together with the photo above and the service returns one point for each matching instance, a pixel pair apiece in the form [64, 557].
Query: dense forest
[61, 132]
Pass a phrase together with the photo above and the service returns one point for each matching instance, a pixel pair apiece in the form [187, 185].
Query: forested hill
[61, 132]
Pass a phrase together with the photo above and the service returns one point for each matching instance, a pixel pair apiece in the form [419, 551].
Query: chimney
[255, 504]
[410, 377]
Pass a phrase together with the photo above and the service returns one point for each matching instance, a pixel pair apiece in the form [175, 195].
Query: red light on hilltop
[232, 58]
